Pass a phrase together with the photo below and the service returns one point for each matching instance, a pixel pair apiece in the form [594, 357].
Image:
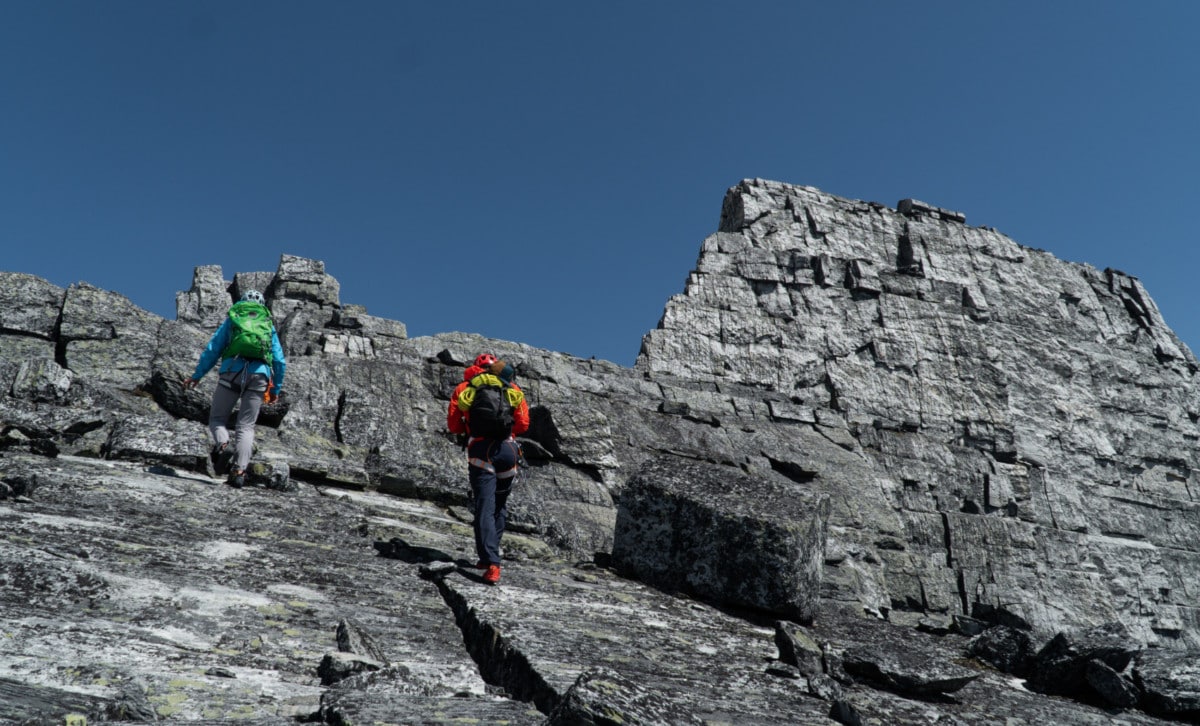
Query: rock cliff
[1024, 428]
[872, 464]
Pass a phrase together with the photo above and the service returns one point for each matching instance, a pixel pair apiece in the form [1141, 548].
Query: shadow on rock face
[396, 548]
[194, 405]
[271, 414]
[176, 400]
[543, 430]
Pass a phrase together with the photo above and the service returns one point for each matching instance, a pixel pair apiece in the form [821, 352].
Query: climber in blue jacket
[252, 369]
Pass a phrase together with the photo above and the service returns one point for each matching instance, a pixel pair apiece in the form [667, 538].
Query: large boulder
[602, 697]
[907, 671]
[300, 278]
[29, 305]
[1081, 665]
[208, 300]
[107, 339]
[706, 529]
[1170, 681]
[1008, 649]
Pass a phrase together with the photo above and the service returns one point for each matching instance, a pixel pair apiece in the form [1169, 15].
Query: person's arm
[521, 416]
[278, 365]
[210, 355]
[456, 419]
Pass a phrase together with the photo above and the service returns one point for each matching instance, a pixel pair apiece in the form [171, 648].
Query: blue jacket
[217, 344]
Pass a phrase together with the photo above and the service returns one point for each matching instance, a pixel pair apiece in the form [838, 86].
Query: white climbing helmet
[254, 296]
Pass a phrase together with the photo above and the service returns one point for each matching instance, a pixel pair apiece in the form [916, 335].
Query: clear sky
[545, 172]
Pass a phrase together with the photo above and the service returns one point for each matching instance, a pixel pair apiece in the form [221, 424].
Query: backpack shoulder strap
[515, 396]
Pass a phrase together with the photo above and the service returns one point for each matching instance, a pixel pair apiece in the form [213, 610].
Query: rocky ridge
[919, 465]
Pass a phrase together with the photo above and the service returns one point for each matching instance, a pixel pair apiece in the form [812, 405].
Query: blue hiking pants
[492, 467]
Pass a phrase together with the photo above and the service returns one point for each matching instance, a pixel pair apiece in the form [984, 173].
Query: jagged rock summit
[1025, 427]
[873, 463]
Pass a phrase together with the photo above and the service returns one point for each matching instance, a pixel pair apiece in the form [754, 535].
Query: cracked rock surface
[168, 594]
[929, 464]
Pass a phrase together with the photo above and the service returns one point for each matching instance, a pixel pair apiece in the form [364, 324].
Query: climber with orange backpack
[251, 373]
[491, 410]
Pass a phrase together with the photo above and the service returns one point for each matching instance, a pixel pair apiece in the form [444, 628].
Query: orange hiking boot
[492, 575]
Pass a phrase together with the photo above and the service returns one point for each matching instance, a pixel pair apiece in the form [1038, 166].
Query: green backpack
[249, 332]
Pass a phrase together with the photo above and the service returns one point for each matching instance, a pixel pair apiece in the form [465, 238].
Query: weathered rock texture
[898, 429]
[691, 527]
[1024, 429]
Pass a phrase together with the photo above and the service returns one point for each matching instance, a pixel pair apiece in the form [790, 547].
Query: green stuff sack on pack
[249, 332]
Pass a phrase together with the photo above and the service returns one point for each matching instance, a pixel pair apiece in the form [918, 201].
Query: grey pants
[244, 390]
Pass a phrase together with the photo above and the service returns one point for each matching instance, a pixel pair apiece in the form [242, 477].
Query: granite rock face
[891, 428]
[1027, 425]
[684, 527]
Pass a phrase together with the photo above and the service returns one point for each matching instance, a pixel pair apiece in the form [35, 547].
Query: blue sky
[576, 153]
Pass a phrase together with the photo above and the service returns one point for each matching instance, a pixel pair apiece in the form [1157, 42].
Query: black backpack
[490, 404]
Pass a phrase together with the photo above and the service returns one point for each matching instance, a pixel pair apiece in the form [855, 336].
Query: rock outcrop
[872, 464]
[684, 527]
[1024, 428]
